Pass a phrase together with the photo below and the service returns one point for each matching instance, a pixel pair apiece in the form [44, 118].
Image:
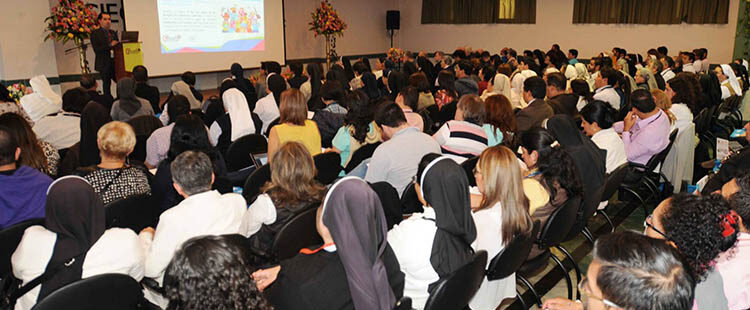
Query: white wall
[23, 53]
[554, 25]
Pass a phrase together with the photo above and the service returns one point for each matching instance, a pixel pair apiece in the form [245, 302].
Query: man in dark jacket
[89, 84]
[534, 90]
[464, 83]
[561, 102]
[103, 40]
[145, 91]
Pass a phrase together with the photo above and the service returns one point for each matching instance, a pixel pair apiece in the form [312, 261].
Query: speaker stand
[390, 31]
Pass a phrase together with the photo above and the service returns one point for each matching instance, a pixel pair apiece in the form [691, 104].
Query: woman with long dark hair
[267, 107]
[35, 153]
[446, 92]
[93, 117]
[311, 87]
[359, 127]
[680, 90]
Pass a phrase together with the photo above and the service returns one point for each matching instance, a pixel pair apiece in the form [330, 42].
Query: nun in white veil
[43, 101]
[180, 88]
[730, 86]
[500, 86]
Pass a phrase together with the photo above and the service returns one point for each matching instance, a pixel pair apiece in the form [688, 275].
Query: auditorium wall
[554, 25]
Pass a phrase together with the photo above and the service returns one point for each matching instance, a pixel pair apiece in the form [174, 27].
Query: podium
[127, 56]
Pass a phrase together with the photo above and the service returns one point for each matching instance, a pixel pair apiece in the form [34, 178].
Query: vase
[83, 62]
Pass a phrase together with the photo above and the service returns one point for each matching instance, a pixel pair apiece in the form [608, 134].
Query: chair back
[409, 201]
[255, 182]
[658, 159]
[270, 125]
[585, 212]
[613, 180]
[112, 291]
[556, 229]
[403, 304]
[703, 120]
[328, 166]
[362, 153]
[513, 255]
[139, 151]
[10, 237]
[240, 152]
[468, 166]
[135, 212]
[390, 202]
[298, 233]
[456, 290]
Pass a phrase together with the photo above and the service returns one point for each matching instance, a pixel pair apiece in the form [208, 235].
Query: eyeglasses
[647, 224]
[583, 286]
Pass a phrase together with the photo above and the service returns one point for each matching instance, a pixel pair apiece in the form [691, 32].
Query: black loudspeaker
[393, 20]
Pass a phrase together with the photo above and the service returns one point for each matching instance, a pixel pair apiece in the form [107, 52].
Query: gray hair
[193, 172]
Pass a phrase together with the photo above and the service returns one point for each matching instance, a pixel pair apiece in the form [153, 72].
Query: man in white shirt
[395, 160]
[63, 129]
[687, 62]
[203, 212]
[668, 64]
[605, 87]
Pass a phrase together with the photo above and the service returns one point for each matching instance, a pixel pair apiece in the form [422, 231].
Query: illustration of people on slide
[237, 20]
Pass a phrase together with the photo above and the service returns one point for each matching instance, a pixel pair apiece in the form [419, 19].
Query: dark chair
[298, 233]
[390, 201]
[10, 237]
[270, 125]
[403, 304]
[139, 151]
[447, 113]
[241, 153]
[553, 233]
[468, 166]
[328, 166]
[611, 184]
[646, 177]
[512, 257]
[362, 153]
[409, 201]
[255, 182]
[455, 291]
[107, 291]
[135, 212]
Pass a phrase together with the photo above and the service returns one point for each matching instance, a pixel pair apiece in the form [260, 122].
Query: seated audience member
[632, 271]
[663, 102]
[730, 86]
[596, 120]
[43, 101]
[236, 123]
[73, 235]
[420, 82]
[676, 220]
[432, 245]
[157, 145]
[113, 179]
[517, 79]
[188, 134]
[604, 85]
[681, 94]
[446, 92]
[267, 69]
[63, 129]
[500, 121]
[299, 77]
[465, 85]
[293, 125]
[733, 264]
[537, 110]
[211, 272]
[370, 85]
[644, 79]
[668, 64]
[554, 168]
[359, 128]
[203, 212]
[180, 88]
[731, 167]
[331, 117]
[189, 78]
[245, 85]
[502, 215]
[88, 82]
[687, 62]
[35, 153]
[354, 269]
[561, 102]
[645, 130]
[312, 87]
[292, 190]
[395, 160]
[8, 105]
[408, 100]
[24, 199]
[580, 87]
[93, 117]
[145, 91]
[464, 137]
[267, 107]
[128, 105]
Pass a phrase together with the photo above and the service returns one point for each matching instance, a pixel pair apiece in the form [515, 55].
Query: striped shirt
[461, 140]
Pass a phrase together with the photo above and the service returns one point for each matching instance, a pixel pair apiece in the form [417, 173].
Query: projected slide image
[195, 26]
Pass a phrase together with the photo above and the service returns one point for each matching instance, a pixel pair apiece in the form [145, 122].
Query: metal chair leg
[589, 236]
[520, 299]
[575, 265]
[568, 281]
[530, 288]
[609, 220]
[640, 199]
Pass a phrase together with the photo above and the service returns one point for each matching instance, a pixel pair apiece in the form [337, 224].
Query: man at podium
[103, 40]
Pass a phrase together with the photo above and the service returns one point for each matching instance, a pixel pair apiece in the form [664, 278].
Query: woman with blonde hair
[294, 125]
[502, 214]
[663, 102]
[113, 178]
[292, 189]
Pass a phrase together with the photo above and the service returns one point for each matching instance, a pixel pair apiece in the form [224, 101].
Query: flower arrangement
[396, 55]
[326, 21]
[71, 20]
[17, 91]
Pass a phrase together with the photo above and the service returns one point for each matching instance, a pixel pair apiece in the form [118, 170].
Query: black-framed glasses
[647, 224]
[583, 286]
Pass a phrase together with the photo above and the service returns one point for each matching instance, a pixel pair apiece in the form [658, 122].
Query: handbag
[11, 288]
